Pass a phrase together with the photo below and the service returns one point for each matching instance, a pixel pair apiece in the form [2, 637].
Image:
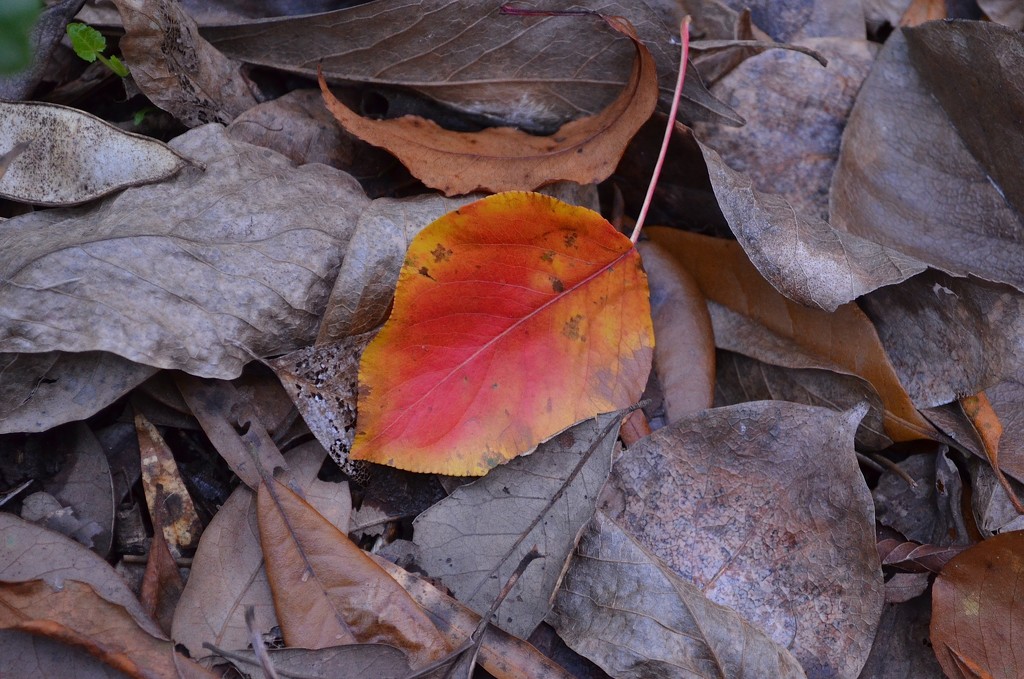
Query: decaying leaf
[73, 157]
[327, 591]
[932, 510]
[902, 649]
[162, 584]
[475, 538]
[355, 660]
[763, 507]
[624, 609]
[506, 159]
[920, 171]
[977, 610]
[177, 69]
[795, 19]
[198, 273]
[510, 70]
[518, 314]
[227, 572]
[27, 655]
[759, 322]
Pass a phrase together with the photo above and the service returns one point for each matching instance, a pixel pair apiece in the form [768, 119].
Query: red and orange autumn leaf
[515, 317]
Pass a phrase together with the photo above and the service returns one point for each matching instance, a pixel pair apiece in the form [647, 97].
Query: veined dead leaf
[585, 151]
[515, 317]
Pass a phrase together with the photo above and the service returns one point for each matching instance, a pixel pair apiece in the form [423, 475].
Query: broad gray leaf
[199, 273]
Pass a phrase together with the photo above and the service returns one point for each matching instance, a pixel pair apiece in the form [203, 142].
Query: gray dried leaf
[902, 648]
[1006, 12]
[177, 69]
[624, 609]
[511, 70]
[73, 157]
[200, 273]
[788, 20]
[763, 507]
[920, 171]
[354, 660]
[475, 538]
[40, 391]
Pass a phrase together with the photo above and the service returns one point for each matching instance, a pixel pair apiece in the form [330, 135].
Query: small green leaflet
[89, 44]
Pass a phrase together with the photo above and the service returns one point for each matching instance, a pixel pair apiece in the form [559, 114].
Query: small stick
[684, 53]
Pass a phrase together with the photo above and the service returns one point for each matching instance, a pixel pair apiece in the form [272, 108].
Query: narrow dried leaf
[355, 660]
[519, 315]
[919, 171]
[977, 609]
[198, 273]
[844, 341]
[506, 159]
[73, 157]
[793, 548]
[327, 591]
[684, 346]
[177, 69]
[475, 538]
[227, 572]
[624, 609]
[501, 654]
[170, 505]
[511, 70]
[162, 584]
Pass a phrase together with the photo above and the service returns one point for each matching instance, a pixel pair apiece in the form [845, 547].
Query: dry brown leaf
[763, 507]
[844, 340]
[161, 584]
[170, 505]
[977, 609]
[508, 70]
[227, 572]
[327, 591]
[177, 69]
[355, 660]
[501, 654]
[475, 538]
[506, 159]
[684, 346]
[902, 649]
[198, 273]
[40, 391]
[73, 157]
[625, 610]
[930, 512]
[29, 656]
[919, 170]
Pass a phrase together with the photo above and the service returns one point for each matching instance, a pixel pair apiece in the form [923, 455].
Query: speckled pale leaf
[70, 157]
[515, 317]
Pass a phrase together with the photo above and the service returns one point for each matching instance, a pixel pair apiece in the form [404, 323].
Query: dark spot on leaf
[441, 253]
[571, 329]
[425, 272]
[557, 286]
[548, 256]
[570, 239]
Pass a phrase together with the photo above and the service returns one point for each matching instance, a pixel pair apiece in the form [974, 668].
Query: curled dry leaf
[684, 347]
[506, 159]
[624, 609]
[177, 69]
[510, 70]
[72, 157]
[977, 610]
[919, 170]
[797, 336]
[198, 273]
[502, 308]
[793, 548]
[475, 538]
[327, 591]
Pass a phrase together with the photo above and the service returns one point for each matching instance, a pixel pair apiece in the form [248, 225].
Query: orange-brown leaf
[515, 317]
[977, 626]
[585, 151]
[327, 591]
[845, 338]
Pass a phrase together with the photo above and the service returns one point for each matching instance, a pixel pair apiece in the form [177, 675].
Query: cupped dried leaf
[44, 390]
[177, 69]
[73, 157]
[684, 348]
[771, 328]
[978, 610]
[763, 507]
[475, 538]
[327, 591]
[227, 572]
[198, 273]
[919, 170]
[624, 609]
[515, 317]
[510, 70]
[506, 159]
[75, 614]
